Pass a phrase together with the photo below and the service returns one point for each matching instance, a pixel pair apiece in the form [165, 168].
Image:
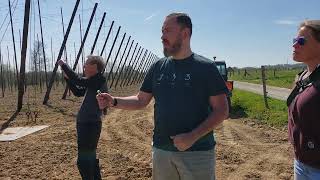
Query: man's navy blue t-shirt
[181, 89]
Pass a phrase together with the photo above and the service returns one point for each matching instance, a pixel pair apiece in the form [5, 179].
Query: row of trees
[36, 75]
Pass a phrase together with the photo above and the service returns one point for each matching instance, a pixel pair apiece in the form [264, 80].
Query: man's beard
[174, 49]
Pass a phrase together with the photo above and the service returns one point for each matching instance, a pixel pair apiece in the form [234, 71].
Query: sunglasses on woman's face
[300, 40]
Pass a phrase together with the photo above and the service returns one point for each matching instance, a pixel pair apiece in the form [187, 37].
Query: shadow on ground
[61, 110]
[237, 111]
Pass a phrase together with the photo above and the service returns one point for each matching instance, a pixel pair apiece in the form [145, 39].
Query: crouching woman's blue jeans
[88, 137]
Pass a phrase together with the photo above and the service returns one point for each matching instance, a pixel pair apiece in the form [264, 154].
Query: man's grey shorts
[190, 165]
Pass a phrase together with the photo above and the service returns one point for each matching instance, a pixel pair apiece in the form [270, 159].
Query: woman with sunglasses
[304, 103]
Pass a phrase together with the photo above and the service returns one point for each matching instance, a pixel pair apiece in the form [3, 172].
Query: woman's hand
[61, 62]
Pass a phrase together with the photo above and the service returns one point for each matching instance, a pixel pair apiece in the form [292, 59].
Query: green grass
[247, 104]
[279, 78]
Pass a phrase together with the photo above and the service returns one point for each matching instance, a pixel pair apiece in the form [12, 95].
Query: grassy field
[247, 104]
[279, 78]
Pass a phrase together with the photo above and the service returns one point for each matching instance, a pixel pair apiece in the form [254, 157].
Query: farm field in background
[279, 78]
[251, 105]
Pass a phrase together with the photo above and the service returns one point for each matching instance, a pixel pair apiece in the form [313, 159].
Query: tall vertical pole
[62, 24]
[43, 51]
[82, 44]
[23, 54]
[115, 59]
[82, 59]
[131, 72]
[46, 97]
[105, 42]
[145, 68]
[129, 67]
[146, 71]
[20, 40]
[9, 70]
[52, 63]
[143, 61]
[138, 68]
[97, 35]
[39, 62]
[124, 51]
[114, 42]
[75, 54]
[14, 44]
[146, 62]
[124, 64]
[1, 73]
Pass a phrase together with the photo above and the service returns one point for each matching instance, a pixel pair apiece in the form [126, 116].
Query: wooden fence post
[264, 87]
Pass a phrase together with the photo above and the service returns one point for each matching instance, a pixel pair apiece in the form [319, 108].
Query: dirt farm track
[245, 149]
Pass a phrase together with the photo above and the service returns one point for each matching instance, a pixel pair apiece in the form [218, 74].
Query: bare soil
[245, 148]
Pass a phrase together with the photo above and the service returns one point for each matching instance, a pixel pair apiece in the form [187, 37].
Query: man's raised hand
[104, 100]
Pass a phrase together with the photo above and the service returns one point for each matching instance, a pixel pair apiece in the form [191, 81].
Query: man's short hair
[98, 60]
[183, 20]
[314, 25]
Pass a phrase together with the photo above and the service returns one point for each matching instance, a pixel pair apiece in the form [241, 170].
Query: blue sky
[243, 33]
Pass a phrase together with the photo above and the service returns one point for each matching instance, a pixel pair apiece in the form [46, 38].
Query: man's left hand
[183, 141]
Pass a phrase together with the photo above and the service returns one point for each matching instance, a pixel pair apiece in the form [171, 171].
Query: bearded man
[190, 101]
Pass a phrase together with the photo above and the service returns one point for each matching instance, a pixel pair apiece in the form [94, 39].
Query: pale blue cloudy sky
[241, 32]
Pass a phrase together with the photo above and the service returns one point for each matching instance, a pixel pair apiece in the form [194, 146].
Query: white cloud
[150, 17]
[286, 22]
